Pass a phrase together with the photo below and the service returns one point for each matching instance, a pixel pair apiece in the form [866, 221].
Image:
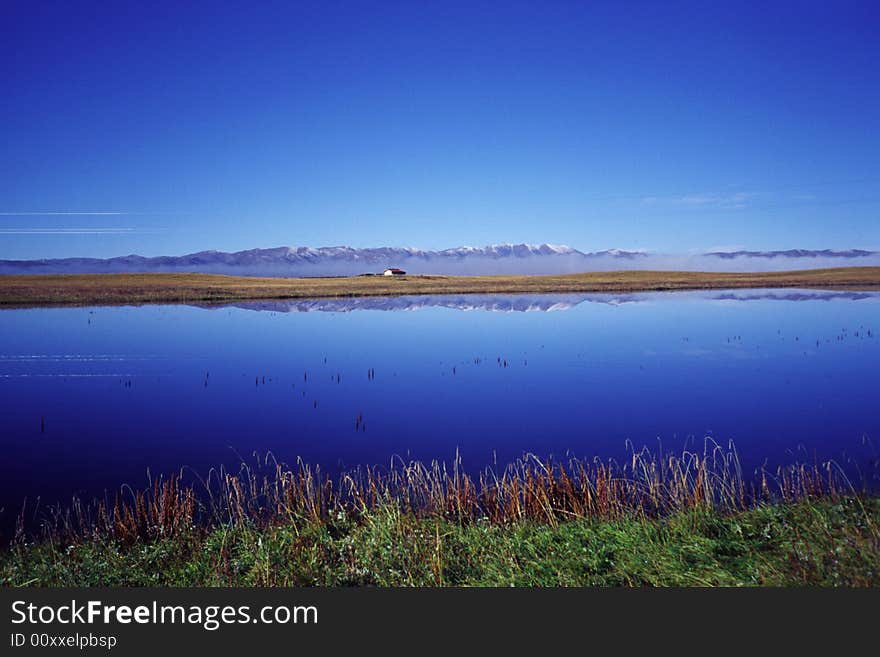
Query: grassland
[111, 289]
[670, 521]
[821, 543]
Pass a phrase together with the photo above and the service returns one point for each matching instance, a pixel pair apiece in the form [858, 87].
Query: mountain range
[465, 260]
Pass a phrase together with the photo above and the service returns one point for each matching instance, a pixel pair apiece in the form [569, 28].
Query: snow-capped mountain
[464, 260]
[340, 261]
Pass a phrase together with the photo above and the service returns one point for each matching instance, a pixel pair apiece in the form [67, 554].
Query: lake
[93, 398]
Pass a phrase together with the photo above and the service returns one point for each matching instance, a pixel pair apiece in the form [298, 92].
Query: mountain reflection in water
[529, 302]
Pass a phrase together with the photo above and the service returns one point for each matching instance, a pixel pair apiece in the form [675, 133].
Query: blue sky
[665, 126]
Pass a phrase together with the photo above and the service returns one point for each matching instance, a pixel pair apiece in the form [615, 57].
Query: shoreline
[693, 519]
[49, 290]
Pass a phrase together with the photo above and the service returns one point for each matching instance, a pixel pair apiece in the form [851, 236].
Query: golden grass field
[106, 289]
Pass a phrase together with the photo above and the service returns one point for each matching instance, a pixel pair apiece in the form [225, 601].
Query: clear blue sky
[665, 126]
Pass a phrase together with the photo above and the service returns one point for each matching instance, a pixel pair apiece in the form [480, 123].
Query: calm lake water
[94, 397]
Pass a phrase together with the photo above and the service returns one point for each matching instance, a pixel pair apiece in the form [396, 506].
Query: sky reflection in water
[93, 397]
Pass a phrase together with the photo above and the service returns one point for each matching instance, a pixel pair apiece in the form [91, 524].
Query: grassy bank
[820, 542]
[660, 520]
[108, 289]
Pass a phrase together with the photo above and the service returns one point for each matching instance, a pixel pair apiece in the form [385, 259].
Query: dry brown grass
[108, 289]
[543, 491]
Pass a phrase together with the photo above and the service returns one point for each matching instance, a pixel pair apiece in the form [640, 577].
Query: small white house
[394, 271]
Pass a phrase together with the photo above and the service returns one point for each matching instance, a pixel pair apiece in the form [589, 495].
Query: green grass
[656, 519]
[107, 289]
[817, 542]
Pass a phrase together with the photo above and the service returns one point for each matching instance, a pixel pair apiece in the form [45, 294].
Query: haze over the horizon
[678, 128]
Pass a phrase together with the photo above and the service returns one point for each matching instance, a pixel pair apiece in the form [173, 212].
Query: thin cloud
[720, 247]
[60, 214]
[102, 213]
[704, 200]
[64, 230]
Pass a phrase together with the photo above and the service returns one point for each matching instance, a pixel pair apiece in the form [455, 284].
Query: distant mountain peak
[507, 249]
[621, 253]
[794, 253]
[503, 258]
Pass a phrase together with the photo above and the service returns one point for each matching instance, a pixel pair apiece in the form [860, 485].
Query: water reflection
[796, 295]
[93, 397]
[508, 303]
